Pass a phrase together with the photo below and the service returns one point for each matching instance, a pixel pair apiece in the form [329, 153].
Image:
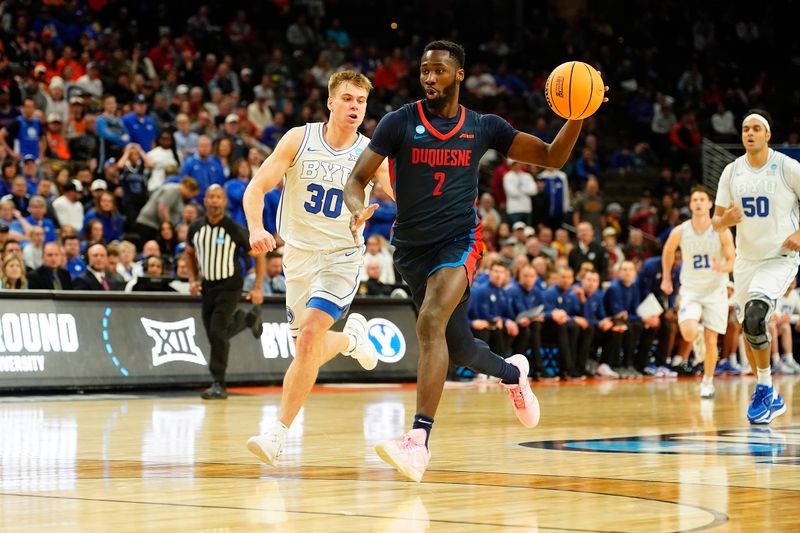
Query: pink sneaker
[407, 454]
[526, 406]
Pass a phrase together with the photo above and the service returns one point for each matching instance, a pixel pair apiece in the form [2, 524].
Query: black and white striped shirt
[218, 248]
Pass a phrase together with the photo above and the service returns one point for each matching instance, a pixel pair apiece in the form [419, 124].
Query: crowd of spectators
[115, 119]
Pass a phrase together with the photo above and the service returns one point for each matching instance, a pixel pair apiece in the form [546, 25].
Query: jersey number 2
[329, 202]
[439, 177]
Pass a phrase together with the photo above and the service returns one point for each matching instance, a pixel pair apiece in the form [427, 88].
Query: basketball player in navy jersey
[434, 146]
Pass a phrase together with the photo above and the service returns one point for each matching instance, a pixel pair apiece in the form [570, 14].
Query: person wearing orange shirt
[57, 147]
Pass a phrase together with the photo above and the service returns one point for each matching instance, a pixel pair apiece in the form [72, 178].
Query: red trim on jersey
[475, 253]
[433, 131]
[391, 173]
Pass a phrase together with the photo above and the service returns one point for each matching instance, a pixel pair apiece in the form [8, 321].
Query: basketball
[574, 90]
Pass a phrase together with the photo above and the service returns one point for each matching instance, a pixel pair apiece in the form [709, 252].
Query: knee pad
[755, 324]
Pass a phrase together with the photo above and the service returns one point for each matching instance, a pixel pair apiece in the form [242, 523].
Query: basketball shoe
[407, 454]
[707, 390]
[765, 405]
[364, 351]
[269, 446]
[526, 406]
[788, 361]
[604, 371]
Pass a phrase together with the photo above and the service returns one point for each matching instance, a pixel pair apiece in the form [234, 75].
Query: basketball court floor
[640, 456]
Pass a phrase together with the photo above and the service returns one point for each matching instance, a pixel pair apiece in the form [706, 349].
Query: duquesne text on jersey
[441, 157]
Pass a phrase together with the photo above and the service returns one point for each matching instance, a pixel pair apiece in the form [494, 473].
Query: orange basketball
[574, 90]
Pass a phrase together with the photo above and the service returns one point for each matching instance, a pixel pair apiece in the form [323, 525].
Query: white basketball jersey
[311, 213]
[698, 252]
[769, 198]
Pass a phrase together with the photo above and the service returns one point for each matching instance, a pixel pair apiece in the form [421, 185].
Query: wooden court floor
[644, 456]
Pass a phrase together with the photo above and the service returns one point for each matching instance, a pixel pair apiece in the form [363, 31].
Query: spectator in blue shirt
[273, 133]
[621, 300]
[606, 334]
[526, 300]
[140, 126]
[562, 313]
[38, 209]
[649, 280]
[112, 132]
[383, 217]
[490, 312]
[72, 249]
[26, 130]
[205, 168]
[106, 212]
[587, 165]
[234, 189]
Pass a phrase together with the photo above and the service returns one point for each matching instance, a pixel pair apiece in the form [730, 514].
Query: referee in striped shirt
[214, 244]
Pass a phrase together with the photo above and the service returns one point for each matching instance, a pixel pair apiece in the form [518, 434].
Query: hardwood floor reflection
[608, 456]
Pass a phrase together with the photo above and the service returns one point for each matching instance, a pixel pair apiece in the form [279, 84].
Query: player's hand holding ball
[575, 90]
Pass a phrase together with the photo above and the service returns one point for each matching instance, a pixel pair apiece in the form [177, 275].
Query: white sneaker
[746, 370]
[665, 372]
[605, 371]
[776, 367]
[269, 446]
[734, 363]
[791, 363]
[699, 346]
[707, 390]
[364, 351]
[407, 454]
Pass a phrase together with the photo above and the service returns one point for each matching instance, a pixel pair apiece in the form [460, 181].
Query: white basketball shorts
[712, 306]
[768, 277]
[325, 280]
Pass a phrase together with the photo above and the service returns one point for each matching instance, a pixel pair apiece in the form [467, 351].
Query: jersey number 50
[755, 206]
[329, 202]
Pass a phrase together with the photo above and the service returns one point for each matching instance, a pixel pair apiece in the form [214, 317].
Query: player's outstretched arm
[529, 149]
[365, 168]
[267, 177]
[668, 259]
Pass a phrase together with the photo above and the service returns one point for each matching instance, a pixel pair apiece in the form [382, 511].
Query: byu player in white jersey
[707, 258]
[321, 262]
[758, 193]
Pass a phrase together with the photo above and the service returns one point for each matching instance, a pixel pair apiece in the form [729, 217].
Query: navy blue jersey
[433, 163]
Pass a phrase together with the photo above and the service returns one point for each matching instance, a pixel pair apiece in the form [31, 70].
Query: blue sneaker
[725, 366]
[765, 405]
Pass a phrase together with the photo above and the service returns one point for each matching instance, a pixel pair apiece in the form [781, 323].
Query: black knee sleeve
[755, 324]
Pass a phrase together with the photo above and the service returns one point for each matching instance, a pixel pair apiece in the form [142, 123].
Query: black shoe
[215, 392]
[253, 321]
[688, 369]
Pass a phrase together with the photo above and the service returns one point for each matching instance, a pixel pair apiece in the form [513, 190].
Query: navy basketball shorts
[417, 263]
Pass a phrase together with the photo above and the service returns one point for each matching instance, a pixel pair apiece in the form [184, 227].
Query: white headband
[759, 118]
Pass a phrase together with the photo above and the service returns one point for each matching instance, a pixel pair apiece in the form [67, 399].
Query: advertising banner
[75, 340]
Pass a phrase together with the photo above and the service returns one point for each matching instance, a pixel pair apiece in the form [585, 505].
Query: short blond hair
[348, 76]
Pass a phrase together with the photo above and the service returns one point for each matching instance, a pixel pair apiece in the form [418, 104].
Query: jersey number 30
[755, 206]
[329, 202]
